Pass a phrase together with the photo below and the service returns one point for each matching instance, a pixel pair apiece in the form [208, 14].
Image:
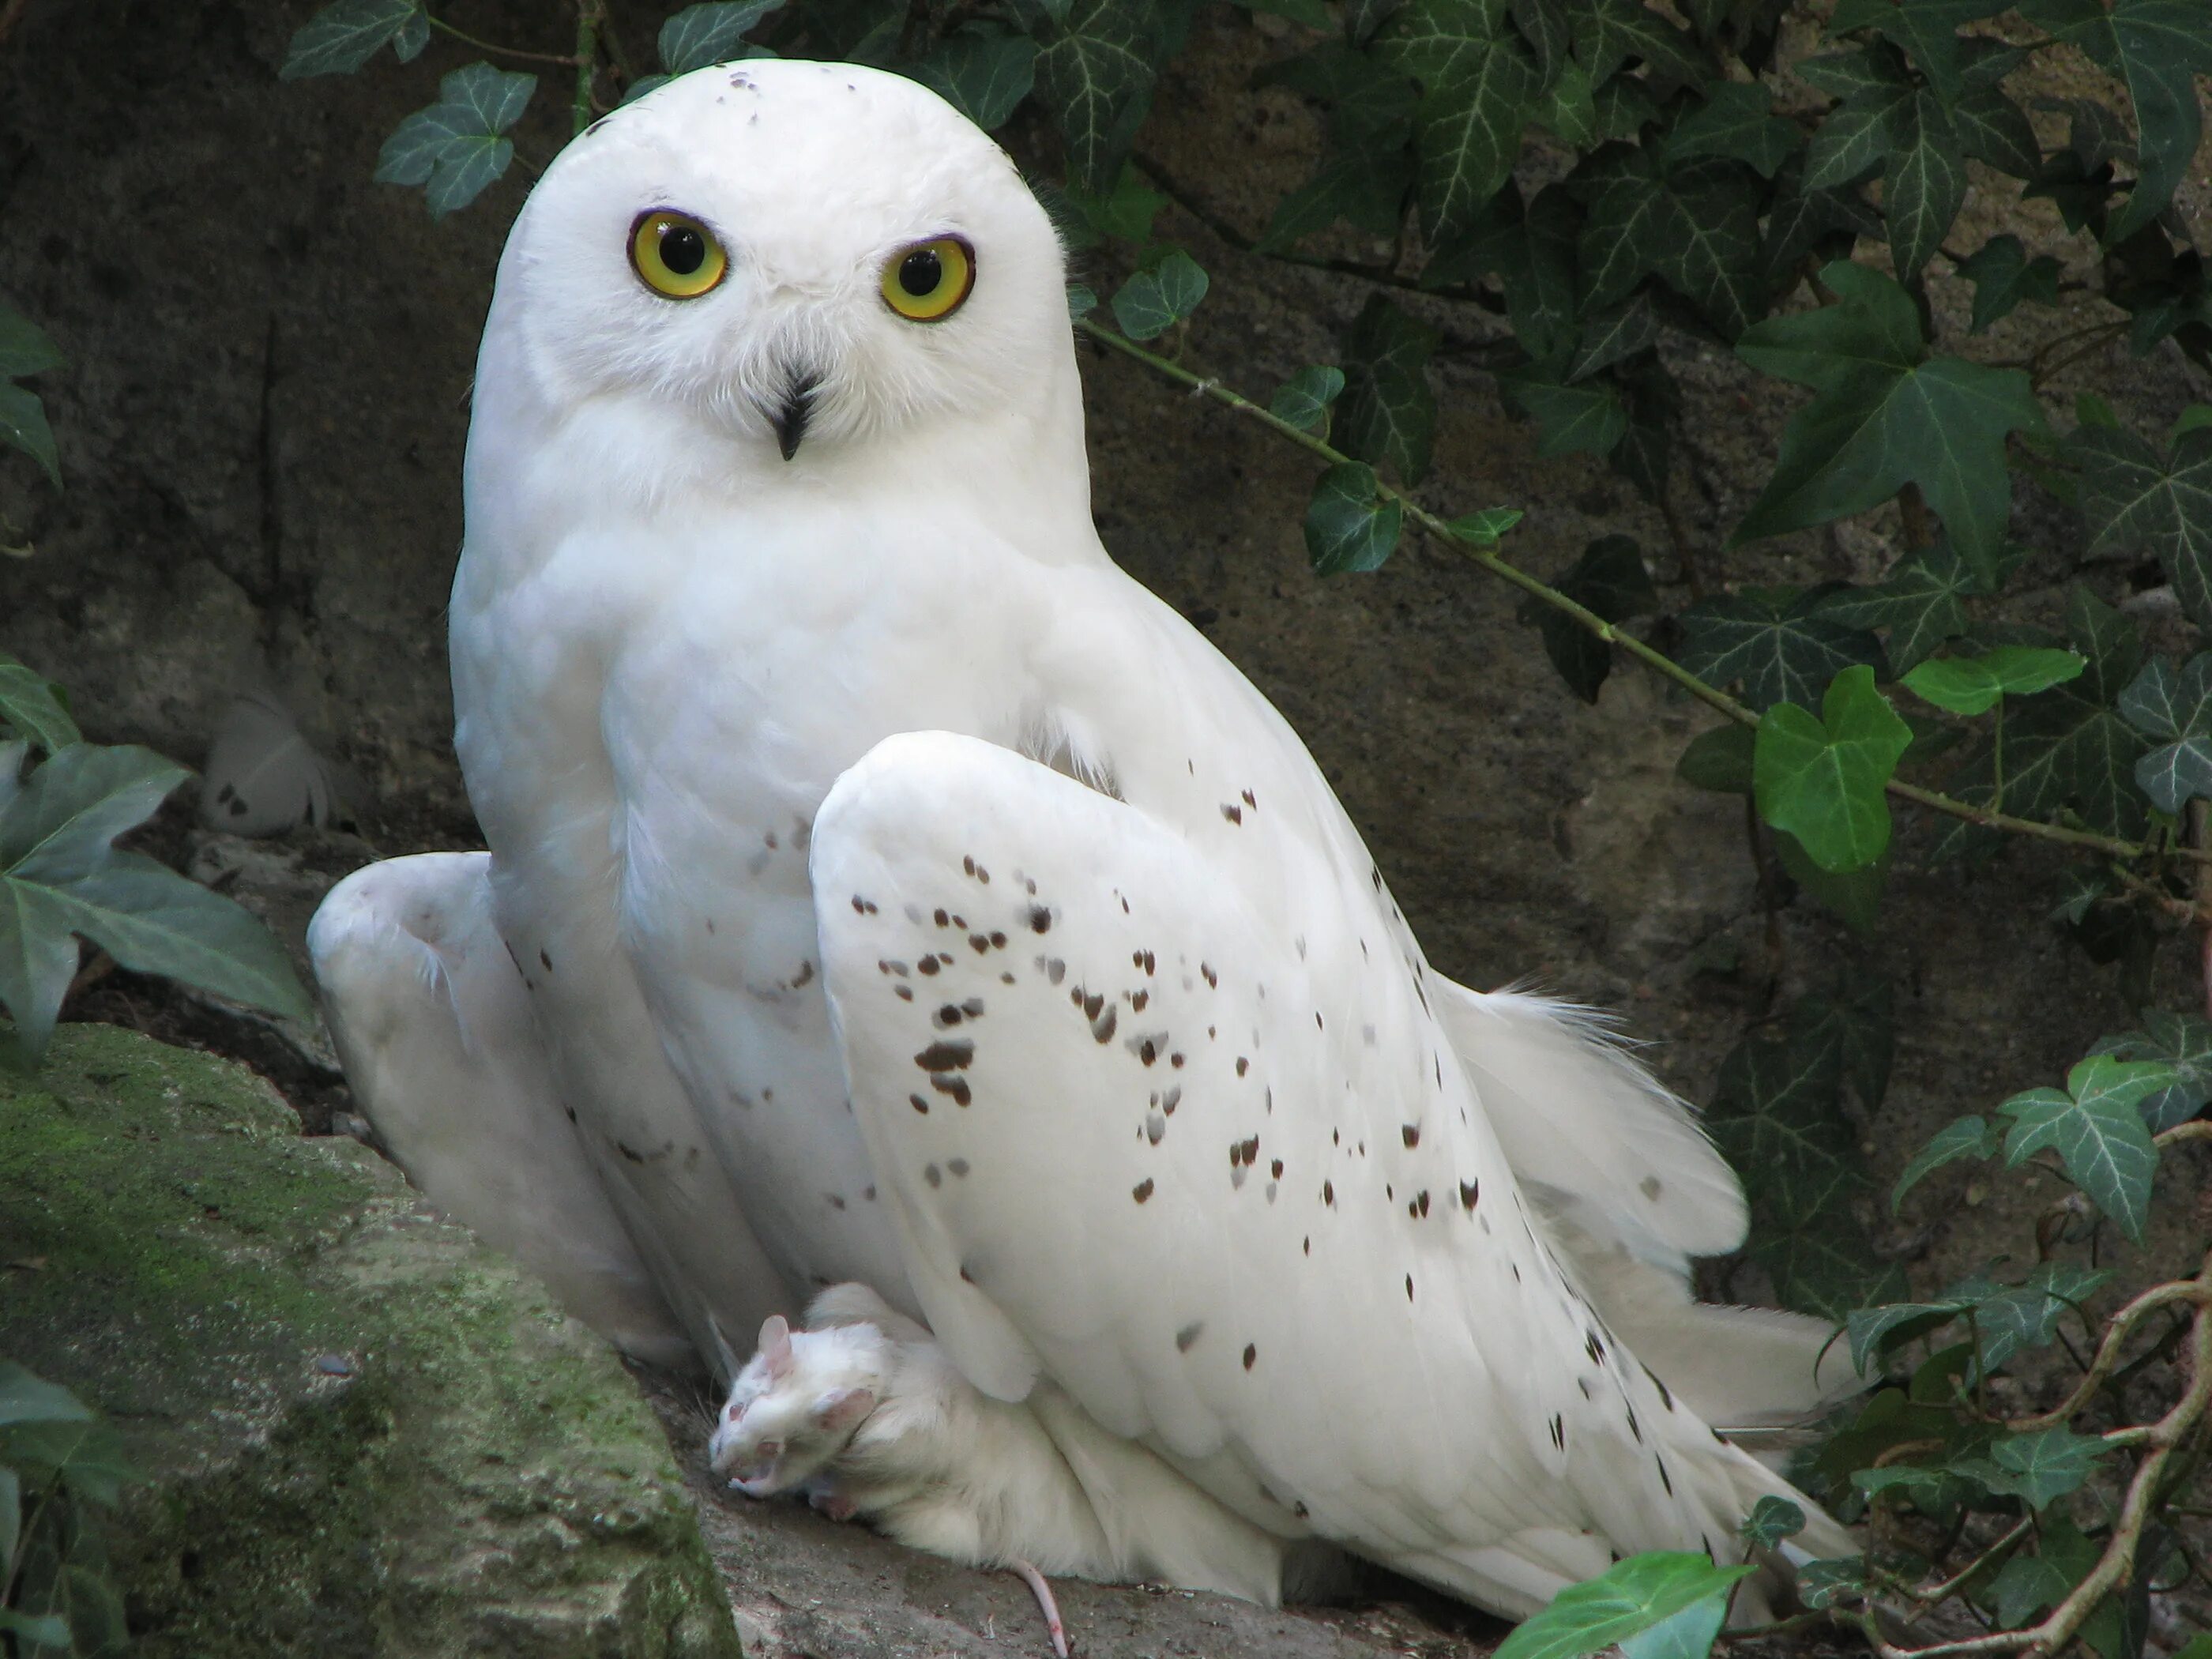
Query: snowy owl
[901, 894]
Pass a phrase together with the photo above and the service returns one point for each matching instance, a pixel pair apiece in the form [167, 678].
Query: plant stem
[1665, 667]
[588, 15]
[468, 39]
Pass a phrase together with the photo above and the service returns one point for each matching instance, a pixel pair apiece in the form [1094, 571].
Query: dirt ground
[261, 423]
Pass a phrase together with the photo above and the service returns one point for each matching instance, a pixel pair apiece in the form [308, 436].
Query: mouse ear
[843, 1408]
[775, 1345]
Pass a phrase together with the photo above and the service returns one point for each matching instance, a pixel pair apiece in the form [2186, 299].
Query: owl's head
[775, 258]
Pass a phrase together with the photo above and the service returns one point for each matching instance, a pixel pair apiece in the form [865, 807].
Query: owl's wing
[432, 1022]
[1200, 1154]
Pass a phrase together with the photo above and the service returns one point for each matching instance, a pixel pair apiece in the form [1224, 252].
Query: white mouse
[866, 1414]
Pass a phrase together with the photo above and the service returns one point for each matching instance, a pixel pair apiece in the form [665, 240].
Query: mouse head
[793, 1408]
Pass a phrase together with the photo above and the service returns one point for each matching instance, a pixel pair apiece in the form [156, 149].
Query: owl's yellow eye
[674, 254]
[926, 282]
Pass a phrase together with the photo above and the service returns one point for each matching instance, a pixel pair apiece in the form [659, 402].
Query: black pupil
[683, 249]
[920, 272]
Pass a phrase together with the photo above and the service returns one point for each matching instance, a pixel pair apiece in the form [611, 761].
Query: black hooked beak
[791, 416]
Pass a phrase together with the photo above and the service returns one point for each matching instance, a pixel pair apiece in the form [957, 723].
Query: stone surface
[363, 1434]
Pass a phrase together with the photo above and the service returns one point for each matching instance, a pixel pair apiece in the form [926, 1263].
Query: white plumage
[869, 842]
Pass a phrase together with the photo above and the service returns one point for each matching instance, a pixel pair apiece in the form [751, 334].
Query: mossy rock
[363, 1433]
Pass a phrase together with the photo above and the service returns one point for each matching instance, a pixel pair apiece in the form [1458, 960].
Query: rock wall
[360, 1432]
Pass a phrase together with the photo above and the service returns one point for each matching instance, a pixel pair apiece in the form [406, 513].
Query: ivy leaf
[1771, 1520]
[60, 878]
[1778, 1117]
[26, 350]
[1969, 1137]
[1823, 779]
[1926, 29]
[1994, 130]
[342, 38]
[1543, 24]
[1857, 1014]
[1123, 212]
[1388, 412]
[1779, 644]
[1886, 415]
[2182, 1042]
[1478, 81]
[31, 705]
[2177, 709]
[1918, 603]
[1855, 895]
[1630, 1597]
[2154, 47]
[1802, 221]
[1925, 185]
[713, 32]
[1608, 33]
[1868, 126]
[25, 1398]
[1609, 336]
[1821, 1583]
[1349, 524]
[1608, 578]
[1738, 122]
[1973, 685]
[1483, 528]
[1719, 760]
[1303, 400]
[2096, 1127]
[2132, 497]
[2040, 1467]
[984, 77]
[1363, 183]
[454, 147]
[1095, 73]
[2003, 275]
[1156, 299]
[1591, 416]
[1695, 227]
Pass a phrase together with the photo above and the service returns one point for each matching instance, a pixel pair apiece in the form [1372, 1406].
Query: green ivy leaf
[1802, 221]
[1823, 779]
[1736, 121]
[2154, 47]
[342, 38]
[1156, 299]
[2132, 497]
[2096, 1127]
[1926, 29]
[1919, 603]
[1719, 760]
[2040, 1467]
[1303, 400]
[1771, 1520]
[1694, 226]
[2182, 1042]
[1994, 130]
[1855, 895]
[1608, 33]
[1924, 184]
[25, 350]
[1822, 1583]
[46, 1629]
[1778, 643]
[1484, 528]
[1886, 415]
[2028, 1584]
[1608, 578]
[2175, 708]
[1591, 416]
[983, 75]
[713, 32]
[1857, 1014]
[1778, 1117]
[1871, 124]
[60, 878]
[1630, 1597]
[1095, 73]
[2003, 275]
[1123, 212]
[454, 148]
[31, 705]
[1349, 524]
[1969, 1137]
[25, 1398]
[1973, 685]
[1685, 1635]
[1081, 301]
[1478, 82]
[1388, 412]
[1610, 335]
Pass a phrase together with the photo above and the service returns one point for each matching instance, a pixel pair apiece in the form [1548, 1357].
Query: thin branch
[1658, 662]
[497, 51]
[2108, 1351]
[589, 15]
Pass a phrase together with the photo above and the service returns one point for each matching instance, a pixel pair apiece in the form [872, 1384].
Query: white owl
[893, 881]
